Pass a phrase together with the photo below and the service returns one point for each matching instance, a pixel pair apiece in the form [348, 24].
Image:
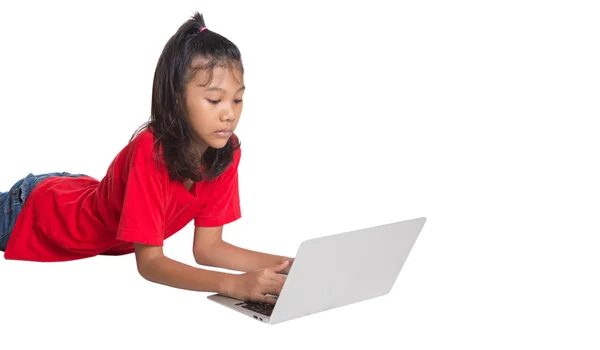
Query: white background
[479, 115]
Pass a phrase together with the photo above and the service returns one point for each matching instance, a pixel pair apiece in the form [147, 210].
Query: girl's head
[197, 101]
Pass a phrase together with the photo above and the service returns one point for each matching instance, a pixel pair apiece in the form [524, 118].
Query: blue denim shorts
[11, 202]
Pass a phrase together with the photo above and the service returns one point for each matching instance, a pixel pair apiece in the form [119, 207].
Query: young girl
[180, 166]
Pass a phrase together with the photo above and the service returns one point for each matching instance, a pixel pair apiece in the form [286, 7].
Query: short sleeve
[143, 216]
[222, 204]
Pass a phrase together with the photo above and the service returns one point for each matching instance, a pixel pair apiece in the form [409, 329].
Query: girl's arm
[154, 266]
[256, 285]
[211, 250]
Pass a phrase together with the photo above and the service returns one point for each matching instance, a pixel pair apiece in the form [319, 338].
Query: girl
[181, 165]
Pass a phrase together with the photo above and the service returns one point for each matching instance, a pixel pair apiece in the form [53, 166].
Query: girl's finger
[273, 289]
[278, 279]
[282, 266]
[269, 299]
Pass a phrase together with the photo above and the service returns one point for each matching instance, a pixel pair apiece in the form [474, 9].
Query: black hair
[168, 120]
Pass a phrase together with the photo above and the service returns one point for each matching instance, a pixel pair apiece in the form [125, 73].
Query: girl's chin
[218, 144]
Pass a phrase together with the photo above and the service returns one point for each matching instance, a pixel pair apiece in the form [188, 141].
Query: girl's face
[214, 110]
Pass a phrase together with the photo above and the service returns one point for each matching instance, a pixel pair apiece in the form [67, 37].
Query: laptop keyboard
[261, 308]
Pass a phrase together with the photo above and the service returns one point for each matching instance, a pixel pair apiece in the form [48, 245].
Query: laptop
[336, 270]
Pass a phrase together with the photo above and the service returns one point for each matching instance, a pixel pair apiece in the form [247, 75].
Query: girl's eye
[214, 102]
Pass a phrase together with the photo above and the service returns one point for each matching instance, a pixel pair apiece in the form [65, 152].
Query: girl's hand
[254, 286]
[286, 271]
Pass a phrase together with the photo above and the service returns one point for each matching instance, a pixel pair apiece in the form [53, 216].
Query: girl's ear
[179, 101]
[180, 105]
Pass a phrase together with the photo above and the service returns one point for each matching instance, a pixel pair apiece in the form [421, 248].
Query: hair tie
[202, 29]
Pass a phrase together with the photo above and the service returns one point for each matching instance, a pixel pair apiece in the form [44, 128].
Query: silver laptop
[337, 270]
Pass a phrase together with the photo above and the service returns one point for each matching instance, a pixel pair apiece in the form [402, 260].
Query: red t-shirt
[66, 218]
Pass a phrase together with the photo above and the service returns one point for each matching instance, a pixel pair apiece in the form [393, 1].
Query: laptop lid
[345, 268]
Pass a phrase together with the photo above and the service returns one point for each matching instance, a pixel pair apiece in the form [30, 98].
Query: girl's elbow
[146, 257]
[203, 257]
[144, 269]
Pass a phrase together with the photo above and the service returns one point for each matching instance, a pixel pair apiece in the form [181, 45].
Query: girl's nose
[227, 114]
[227, 117]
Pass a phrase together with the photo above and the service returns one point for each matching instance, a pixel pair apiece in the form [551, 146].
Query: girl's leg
[11, 204]
[4, 205]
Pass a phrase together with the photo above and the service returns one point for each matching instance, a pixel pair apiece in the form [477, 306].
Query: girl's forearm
[228, 256]
[172, 273]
